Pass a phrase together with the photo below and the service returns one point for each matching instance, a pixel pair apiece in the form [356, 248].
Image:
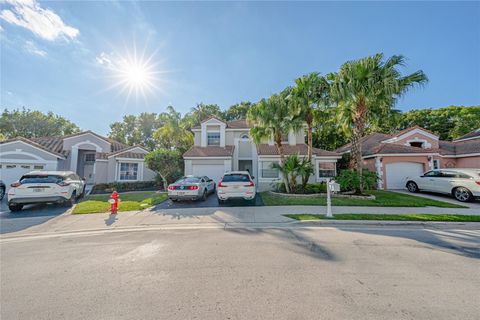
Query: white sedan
[463, 184]
[191, 188]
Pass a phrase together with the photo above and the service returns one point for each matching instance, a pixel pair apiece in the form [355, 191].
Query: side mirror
[252, 177]
[84, 179]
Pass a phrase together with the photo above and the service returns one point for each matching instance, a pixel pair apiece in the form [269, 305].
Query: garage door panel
[213, 171]
[11, 172]
[397, 173]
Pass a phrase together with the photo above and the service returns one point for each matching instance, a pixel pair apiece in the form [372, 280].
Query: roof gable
[409, 132]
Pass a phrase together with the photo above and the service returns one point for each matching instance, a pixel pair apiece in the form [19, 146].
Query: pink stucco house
[414, 151]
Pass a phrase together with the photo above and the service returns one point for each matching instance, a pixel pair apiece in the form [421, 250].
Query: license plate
[37, 190]
[181, 193]
[236, 187]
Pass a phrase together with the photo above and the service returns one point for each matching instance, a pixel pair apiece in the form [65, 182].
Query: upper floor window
[213, 138]
[244, 136]
[285, 138]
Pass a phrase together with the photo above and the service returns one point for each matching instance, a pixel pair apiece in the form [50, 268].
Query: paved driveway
[211, 202]
[30, 216]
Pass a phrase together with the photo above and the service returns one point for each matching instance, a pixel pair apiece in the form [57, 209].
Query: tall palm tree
[311, 91]
[367, 89]
[273, 118]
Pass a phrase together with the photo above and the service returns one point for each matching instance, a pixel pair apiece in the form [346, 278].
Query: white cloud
[30, 47]
[105, 60]
[43, 22]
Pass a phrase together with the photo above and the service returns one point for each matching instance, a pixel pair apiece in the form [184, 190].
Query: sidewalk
[268, 215]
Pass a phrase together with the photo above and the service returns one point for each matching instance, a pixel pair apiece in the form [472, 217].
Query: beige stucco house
[222, 146]
[413, 151]
[98, 159]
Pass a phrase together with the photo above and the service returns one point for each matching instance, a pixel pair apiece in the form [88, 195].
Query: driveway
[211, 202]
[30, 216]
[442, 197]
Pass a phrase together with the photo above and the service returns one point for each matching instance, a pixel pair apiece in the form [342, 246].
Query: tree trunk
[358, 132]
[278, 143]
[309, 120]
[164, 181]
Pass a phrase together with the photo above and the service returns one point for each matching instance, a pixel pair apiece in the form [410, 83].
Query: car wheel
[82, 194]
[412, 187]
[15, 207]
[2, 193]
[220, 201]
[70, 202]
[462, 194]
[204, 196]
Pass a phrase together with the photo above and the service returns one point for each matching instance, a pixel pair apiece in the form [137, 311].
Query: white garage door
[397, 173]
[213, 171]
[11, 172]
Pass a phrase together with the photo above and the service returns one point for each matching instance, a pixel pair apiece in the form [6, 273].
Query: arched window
[244, 136]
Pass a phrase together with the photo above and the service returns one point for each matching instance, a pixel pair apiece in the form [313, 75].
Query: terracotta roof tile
[34, 143]
[210, 151]
[301, 149]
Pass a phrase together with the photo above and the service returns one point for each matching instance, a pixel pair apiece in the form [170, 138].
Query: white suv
[463, 184]
[236, 184]
[45, 187]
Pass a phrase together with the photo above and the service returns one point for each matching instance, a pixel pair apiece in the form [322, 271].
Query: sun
[135, 74]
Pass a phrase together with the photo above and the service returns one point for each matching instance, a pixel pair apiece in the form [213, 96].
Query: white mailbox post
[332, 186]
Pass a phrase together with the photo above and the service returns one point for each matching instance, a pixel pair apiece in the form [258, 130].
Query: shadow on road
[211, 202]
[29, 216]
[465, 243]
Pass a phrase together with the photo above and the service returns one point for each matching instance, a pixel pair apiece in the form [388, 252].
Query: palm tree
[367, 89]
[273, 118]
[311, 91]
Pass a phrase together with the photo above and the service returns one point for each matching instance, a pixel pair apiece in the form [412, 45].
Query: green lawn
[130, 201]
[383, 199]
[391, 217]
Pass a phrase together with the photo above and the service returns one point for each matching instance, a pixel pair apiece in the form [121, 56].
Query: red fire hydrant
[114, 202]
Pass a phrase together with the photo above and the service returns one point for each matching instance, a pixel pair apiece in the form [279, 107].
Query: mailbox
[334, 187]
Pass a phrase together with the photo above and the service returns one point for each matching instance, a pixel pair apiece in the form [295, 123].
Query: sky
[94, 62]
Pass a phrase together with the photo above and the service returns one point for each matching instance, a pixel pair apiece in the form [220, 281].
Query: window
[25, 166]
[326, 169]
[267, 171]
[213, 138]
[10, 166]
[436, 164]
[38, 167]
[128, 171]
[432, 174]
[285, 137]
[41, 179]
[244, 136]
[416, 144]
[90, 157]
[237, 177]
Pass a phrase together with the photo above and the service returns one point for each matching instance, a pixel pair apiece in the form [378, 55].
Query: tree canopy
[31, 124]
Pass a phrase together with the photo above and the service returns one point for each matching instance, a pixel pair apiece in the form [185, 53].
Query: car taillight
[220, 185]
[251, 184]
[63, 184]
[478, 182]
[15, 184]
[192, 187]
[171, 187]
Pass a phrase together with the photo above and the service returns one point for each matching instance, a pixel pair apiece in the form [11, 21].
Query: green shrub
[309, 188]
[125, 186]
[348, 180]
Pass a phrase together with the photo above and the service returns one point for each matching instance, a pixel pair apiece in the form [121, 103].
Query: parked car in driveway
[236, 185]
[191, 188]
[3, 189]
[463, 184]
[63, 187]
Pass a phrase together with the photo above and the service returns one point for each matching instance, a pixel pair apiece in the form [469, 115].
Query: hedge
[125, 186]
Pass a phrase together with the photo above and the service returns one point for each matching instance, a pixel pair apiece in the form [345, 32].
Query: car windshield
[41, 179]
[236, 178]
[188, 180]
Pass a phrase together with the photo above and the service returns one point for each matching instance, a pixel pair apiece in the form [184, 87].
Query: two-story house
[413, 151]
[222, 146]
[96, 158]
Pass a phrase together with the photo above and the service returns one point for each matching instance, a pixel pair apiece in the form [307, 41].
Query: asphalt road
[29, 216]
[316, 273]
[211, 202]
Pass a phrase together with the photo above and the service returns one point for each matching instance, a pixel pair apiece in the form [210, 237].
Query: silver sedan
[191, 188]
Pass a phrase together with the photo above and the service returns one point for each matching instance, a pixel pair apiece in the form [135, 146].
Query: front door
[245, 165]
[88, 173]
